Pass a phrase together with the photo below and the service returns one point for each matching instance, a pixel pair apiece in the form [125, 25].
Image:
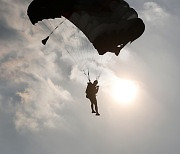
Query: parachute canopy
[108, 24]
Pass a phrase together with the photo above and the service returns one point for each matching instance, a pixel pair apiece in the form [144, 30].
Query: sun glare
[124, 91]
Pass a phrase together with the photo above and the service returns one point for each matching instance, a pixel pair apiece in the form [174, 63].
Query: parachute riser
[87, 75]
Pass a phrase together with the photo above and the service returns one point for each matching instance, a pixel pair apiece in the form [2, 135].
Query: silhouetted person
[91, 92]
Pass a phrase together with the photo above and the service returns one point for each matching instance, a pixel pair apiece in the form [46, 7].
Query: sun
[124, 91]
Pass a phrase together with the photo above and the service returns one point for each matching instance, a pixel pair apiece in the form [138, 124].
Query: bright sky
[124, 91]
[43, 108]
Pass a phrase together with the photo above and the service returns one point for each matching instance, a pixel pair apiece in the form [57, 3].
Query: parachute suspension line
[83, 55]
[87, 75]
[99, 70]
[44, 25]
[103, 60]
[72, 57]
[57, 26]
[99, 67]
[96, 62]
[44, 41]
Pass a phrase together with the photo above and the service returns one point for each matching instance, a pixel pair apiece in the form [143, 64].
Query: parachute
[108, 24]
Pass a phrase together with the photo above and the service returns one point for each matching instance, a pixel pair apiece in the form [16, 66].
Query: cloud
[40, 105]
[31, 81]
[7, 33]
[154, 13]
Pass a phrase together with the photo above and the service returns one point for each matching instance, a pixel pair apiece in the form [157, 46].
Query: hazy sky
[43, 108]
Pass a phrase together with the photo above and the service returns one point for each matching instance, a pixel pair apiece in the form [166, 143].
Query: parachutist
[91, 92]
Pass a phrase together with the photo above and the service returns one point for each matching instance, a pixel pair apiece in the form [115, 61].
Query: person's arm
[97, 88]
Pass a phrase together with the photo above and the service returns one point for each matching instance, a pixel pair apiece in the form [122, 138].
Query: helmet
[95, 82]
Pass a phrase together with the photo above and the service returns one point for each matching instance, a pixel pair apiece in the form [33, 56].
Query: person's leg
[96, 107]
[92, 106]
